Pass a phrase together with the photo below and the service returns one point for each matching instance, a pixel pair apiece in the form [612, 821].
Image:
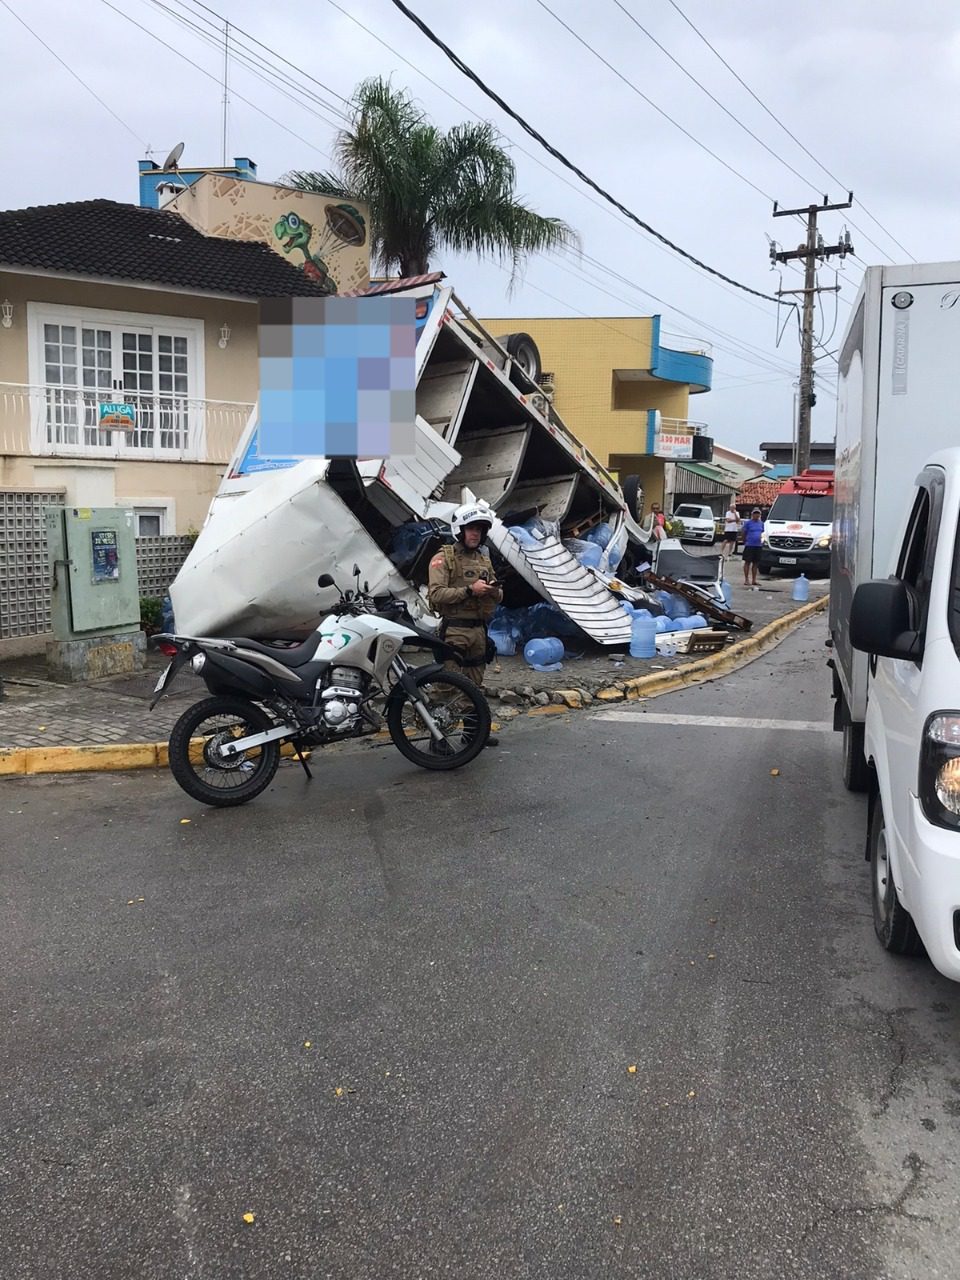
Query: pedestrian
[752, 541]
[731, 531]
[464, 590]
[655, 526]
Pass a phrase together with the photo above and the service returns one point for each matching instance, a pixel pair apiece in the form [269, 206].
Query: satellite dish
[173, 157]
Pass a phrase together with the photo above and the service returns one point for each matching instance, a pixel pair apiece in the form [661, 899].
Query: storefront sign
[669, 444]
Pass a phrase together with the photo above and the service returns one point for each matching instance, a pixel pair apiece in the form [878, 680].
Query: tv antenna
[173, 158]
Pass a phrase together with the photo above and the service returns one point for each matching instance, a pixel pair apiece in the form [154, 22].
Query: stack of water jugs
[645, 628]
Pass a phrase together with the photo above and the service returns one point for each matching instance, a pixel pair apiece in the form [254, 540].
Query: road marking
[716, 722]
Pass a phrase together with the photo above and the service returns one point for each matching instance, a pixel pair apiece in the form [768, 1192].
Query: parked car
[699, 523]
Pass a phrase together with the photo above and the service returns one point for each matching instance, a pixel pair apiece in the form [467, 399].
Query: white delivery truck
[895, 587]
[894, 411]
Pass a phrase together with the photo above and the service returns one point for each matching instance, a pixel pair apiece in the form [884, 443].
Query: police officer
[463, 588]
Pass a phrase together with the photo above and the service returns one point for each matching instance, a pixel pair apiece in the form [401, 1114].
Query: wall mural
[346, 228]
[325, 238]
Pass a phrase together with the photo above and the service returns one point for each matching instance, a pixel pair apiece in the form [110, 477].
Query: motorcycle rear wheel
[459, 709]
[195, 765]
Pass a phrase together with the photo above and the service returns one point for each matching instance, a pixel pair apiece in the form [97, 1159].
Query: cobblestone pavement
[37, 712]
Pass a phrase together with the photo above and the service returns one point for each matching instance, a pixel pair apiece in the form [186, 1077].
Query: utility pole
[810, 252]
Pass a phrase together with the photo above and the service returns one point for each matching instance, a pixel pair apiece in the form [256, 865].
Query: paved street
[392, 1015]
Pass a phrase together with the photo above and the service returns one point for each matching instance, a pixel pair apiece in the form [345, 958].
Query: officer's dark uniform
[452, 571]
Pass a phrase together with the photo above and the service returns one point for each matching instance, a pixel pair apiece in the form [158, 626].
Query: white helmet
[471, 513]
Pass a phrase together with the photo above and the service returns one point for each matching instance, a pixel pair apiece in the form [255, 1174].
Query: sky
[867, 88]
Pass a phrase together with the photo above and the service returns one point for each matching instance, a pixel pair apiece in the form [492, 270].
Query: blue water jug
[662, 624]
[727, 592]
[694, 621]
[643, 636]
[801, 588]
[544, 652]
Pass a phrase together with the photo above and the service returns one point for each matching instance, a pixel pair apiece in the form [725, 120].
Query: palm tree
[427, 189]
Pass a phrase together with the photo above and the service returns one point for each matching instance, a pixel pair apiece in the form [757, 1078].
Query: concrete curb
[18, 762]
[708, 668]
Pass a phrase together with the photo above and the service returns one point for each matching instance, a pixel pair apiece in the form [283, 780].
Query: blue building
[152, 177]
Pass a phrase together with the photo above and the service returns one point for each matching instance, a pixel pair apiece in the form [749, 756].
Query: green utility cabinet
[95, 596]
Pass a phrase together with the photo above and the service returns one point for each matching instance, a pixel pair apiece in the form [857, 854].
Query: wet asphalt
[393, 1015]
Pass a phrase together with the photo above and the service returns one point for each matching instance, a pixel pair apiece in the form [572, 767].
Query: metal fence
[24, 577]
[25, 574]
[159, 560]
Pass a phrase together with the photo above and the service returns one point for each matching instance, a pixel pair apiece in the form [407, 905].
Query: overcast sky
[869, 87]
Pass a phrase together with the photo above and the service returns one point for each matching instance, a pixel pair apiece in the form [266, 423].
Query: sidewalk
[40, 713]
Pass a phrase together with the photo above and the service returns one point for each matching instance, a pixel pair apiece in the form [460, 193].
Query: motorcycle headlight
[939, 779]
[198, 661]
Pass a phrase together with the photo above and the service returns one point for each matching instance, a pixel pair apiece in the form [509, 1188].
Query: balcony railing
[682, 426]
[64, 422]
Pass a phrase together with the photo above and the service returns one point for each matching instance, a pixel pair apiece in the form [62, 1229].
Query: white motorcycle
[342, 682]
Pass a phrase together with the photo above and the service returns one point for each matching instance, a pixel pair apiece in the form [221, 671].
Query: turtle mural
[295, 232]
[345, 229]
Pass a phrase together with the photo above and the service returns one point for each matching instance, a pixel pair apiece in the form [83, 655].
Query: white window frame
[41, 313]
[167, 507]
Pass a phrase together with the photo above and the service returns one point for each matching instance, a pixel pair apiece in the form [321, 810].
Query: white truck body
[895, 408]
[483, 429]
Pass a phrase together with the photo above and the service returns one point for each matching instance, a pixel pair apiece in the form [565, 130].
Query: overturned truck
[484, 429]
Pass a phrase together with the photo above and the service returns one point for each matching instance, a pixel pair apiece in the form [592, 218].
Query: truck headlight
[939, 779]
[824, 542]
[763, 539]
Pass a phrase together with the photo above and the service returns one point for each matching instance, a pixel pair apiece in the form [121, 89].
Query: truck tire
[892, 923]
[856, 772]
[633, 496]
[525, 353]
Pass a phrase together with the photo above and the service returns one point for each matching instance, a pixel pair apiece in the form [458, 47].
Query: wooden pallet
[701, 601]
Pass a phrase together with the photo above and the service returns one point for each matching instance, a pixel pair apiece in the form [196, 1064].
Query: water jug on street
[543, 653]
[643, 637]
[801, 588]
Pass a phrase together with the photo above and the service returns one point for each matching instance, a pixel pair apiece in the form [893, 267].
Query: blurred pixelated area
[337, 378]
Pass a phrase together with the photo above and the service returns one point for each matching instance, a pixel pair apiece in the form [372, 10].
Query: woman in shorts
[752, 540]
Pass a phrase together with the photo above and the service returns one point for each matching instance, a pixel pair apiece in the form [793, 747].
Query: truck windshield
[815, 508]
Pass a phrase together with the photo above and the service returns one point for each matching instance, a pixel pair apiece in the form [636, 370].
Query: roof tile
[149, 246]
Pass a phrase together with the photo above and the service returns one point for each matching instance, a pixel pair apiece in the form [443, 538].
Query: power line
[462, 67]
[273, 52]
[239, 55]
[210, 76]
[793, 136]
[690, 76]
[650, 102]
[575, 187]
[71, 71]
[260, 60]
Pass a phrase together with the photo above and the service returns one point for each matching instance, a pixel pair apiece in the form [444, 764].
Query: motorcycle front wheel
[459, 710]
[198, 767]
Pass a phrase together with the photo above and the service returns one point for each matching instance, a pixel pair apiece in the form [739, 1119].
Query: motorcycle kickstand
[306, 767]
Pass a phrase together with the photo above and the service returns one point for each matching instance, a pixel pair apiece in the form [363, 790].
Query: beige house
[128, 355]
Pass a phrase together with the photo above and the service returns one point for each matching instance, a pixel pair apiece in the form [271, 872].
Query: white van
[910, 625]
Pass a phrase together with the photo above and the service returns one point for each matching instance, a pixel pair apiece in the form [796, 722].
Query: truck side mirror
[882, 620]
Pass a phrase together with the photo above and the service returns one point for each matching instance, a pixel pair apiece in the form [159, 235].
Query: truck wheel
[892, 923]
[633, 496]
[856, 771]
[525, 353]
